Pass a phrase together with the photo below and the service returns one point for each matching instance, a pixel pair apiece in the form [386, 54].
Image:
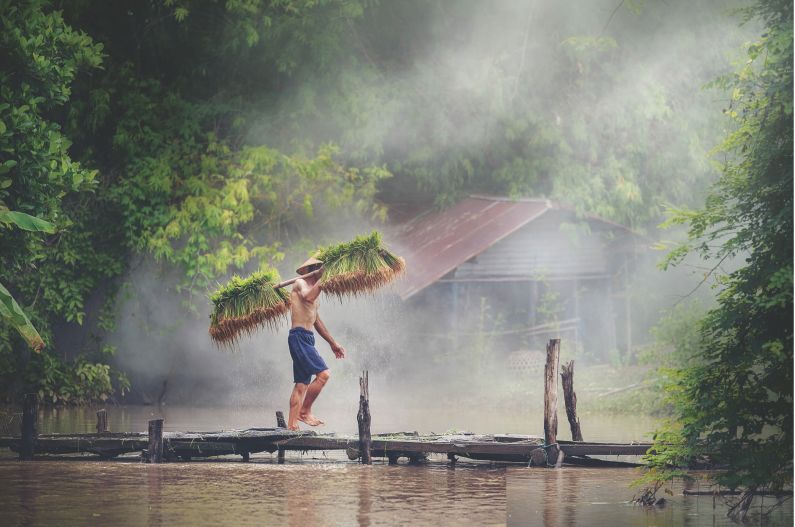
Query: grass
[243, 305]
[359, 266]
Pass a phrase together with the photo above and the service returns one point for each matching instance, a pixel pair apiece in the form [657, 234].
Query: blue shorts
[306, 360]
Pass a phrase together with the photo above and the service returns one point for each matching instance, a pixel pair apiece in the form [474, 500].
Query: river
[330, 490]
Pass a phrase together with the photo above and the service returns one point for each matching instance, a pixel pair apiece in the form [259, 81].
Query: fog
[465, 75]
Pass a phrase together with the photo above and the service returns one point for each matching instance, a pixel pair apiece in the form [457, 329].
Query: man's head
[310, 266]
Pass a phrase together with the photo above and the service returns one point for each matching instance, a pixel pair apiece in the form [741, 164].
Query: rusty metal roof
[436, 243]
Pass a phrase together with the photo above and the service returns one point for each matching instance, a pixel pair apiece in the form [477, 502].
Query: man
[306, 360]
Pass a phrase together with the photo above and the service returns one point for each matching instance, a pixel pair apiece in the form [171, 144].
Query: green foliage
[579, 117]
[266, 117]
[176, 174]
[81, 382]
[12, 314]
[47, 190]
[25, 221]
[231, 207]
[732, 394]
[675, 336]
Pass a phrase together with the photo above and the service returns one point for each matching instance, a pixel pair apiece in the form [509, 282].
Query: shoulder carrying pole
[292, 280]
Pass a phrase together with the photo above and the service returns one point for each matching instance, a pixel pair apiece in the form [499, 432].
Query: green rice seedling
[359, 266]
[243, 305]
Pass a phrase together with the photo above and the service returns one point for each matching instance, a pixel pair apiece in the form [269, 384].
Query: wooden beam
[155, 450]
[179, 444]
[102, 421]
[363, 419]
[281, 424]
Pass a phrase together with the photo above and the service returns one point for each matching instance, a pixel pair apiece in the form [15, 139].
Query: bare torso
[303, 313]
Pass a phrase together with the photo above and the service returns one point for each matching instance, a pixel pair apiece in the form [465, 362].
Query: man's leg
[296, 400]
[312, 392]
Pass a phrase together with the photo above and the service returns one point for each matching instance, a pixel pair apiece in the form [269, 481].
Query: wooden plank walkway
[187, 445]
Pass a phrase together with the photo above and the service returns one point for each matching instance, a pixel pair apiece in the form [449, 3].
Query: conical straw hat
[309, 266]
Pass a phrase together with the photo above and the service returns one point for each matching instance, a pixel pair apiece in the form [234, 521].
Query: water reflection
[323, 492]
[26, 496]
[365, 498]
[315, 489]
[153, 484]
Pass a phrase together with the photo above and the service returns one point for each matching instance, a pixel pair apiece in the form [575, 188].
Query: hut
[518, 272]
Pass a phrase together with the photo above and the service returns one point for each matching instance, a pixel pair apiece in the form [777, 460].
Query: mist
[507, 95]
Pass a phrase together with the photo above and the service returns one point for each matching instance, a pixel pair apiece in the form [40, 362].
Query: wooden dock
[414, 447]
[156, 446]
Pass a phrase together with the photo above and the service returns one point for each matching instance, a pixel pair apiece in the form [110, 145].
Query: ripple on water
[307, 491]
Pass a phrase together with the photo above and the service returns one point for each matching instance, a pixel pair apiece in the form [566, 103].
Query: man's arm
[322, 330]
[310, 293]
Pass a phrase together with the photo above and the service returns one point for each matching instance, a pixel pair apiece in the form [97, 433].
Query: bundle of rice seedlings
[360, 266]
[242, 305]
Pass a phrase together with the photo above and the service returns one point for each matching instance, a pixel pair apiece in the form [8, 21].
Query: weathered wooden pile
[156, 446]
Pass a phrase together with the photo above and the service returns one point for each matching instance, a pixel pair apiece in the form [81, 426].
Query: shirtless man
[306, 360]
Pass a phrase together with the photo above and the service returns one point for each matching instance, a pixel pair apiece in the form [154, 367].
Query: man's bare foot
[294, 428]
[309, 419]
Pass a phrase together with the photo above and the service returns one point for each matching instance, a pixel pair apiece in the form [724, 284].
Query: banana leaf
[13, 314]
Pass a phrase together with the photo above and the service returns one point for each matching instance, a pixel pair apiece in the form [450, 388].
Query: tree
[733, 399]
[172, 173]
[47, 264]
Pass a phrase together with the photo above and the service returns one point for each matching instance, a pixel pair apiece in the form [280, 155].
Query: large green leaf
[26, 221]
[13, 314]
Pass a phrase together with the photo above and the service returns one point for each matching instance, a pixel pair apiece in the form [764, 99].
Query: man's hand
[338, 350]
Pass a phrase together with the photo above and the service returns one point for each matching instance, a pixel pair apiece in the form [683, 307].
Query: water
[329, 490]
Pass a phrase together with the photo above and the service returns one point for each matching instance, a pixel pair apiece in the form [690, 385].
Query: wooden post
[551, 400]
[281, 424]
[538, 458]
[30, 414]
[363, 418]
[570, 397]
[627, 312]
[155, 452]
[102, 421]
